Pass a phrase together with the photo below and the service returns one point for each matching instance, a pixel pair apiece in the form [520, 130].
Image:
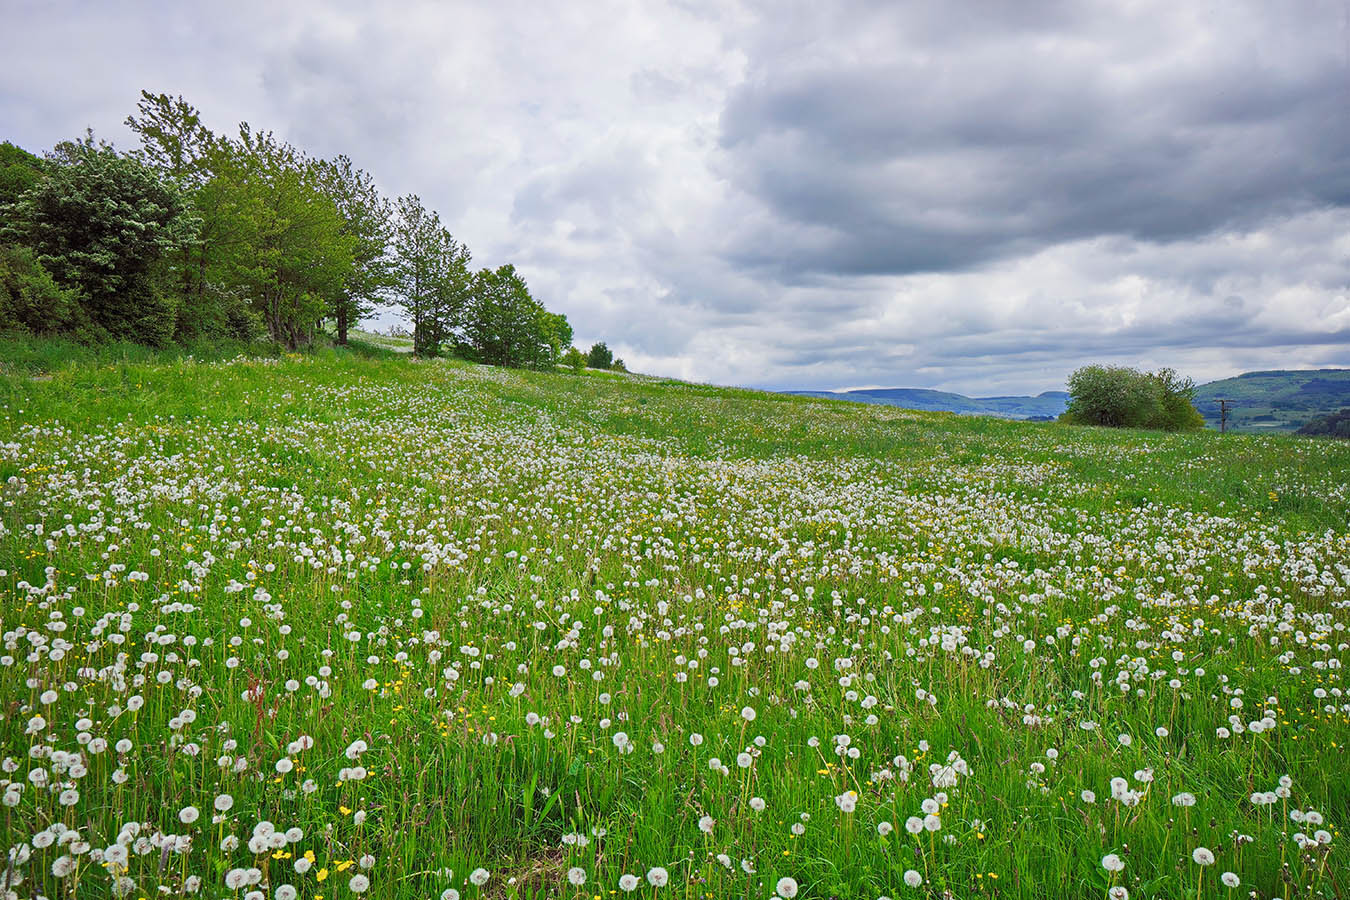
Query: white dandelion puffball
[628, 883]
[786, 887]
[479, 877]
[1113, 863]
[748, 713]
[657, 876]
[576, 875]
[1230, 879]
[913, 878]
[1203, 856]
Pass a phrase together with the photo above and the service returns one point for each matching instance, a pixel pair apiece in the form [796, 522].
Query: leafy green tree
[453, 292]
[430, 274]
[618, 365]
[1121, 397]
[600, 356]
[279, 238]
[176, 143]
[367, 219]
[19, 171]
[556, 333]
[504, 321]
[101, 223]
[30, 299]
[1176, 398]
[574, 359]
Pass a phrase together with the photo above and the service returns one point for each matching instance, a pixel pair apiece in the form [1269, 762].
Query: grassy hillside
[1275, 401]
[344, 625]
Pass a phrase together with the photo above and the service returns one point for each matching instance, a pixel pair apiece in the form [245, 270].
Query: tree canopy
[200, 235]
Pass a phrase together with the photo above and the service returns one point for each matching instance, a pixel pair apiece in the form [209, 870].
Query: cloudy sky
[975, 196]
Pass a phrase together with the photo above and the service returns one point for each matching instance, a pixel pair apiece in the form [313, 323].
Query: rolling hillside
[1046, 405]
[1275, 401]
[1261, 401]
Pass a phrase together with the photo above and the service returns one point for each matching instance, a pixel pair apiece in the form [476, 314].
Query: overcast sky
[976, 196]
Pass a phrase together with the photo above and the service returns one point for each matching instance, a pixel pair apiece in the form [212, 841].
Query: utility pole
[1223, 413]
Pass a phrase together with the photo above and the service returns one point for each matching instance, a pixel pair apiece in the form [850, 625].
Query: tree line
[196, 235]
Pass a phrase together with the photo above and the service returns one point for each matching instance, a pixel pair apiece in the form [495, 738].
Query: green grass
[304, 552]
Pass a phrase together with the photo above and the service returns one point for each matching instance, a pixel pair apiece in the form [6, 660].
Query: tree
[430, 274]
[1121, 397]
[101, 223]
[366, 219]
[19, 171]
[574, 359]
[504, 321]
[453, 292]
[618, 365]
[279, 239]
[1334, 424]
[176, 143]
[556, 333]
[600, 356]
[1177, 401]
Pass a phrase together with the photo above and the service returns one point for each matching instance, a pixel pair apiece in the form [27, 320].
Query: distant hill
[1261, 401]
[1046, 405]
[1275, 401]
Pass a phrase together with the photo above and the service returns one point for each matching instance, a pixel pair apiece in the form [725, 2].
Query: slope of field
[330, 627]
[1275, 401]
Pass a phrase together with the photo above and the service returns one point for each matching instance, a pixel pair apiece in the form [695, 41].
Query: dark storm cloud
[936, 157]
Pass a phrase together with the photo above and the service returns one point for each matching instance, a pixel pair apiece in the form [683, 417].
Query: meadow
[334, 626]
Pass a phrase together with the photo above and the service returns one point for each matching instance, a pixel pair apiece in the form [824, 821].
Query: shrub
[30, 299]
[574, 359]
[1121, 397]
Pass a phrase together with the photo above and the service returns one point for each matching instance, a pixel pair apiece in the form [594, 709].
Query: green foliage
[1121, 397]
[618, 365]
[574, 359]
[556, 333]
[19, 171]
[430, 274]
[174, 141]
[1335, 424]
[280, 241]
[599, 356]
[101, 223]
[367, 221]
[30, 299]
[506, 326]
[195, 237]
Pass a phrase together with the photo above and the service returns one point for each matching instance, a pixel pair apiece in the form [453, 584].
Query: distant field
[333, 626]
